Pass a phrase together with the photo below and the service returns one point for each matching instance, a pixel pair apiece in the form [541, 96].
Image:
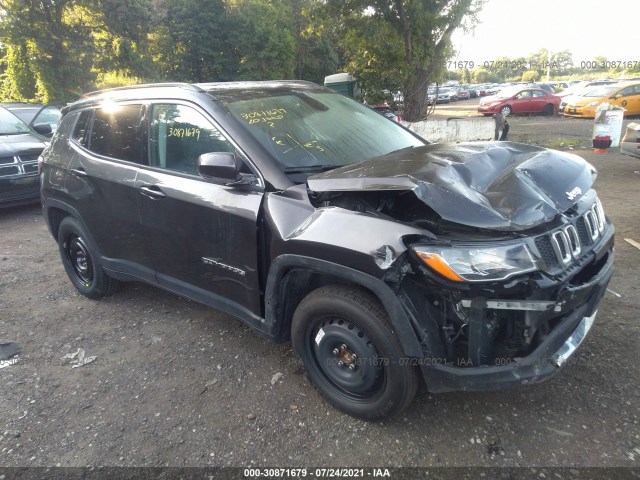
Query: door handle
[152, 191]
[79, 172]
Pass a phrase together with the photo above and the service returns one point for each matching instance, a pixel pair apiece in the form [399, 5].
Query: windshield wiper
[310, 168]
[399, 150]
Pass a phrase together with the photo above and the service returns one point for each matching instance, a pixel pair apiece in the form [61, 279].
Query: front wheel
[81, 261]
[351, 353]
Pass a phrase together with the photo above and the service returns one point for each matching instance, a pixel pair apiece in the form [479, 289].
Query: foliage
[189, 41]
[530, 76]
[56, 48]
[264, 46]
[405, 41]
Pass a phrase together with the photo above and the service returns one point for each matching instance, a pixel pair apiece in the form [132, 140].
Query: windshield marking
[295, 143]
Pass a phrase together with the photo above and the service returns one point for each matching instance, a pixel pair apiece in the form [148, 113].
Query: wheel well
[55, 217]
[296, 284]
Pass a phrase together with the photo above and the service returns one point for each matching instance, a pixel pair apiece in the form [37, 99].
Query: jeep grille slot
[567, 244]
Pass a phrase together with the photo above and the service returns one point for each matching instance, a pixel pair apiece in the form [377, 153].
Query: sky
[587, 28]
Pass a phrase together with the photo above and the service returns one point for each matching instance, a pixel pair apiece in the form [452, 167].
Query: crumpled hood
[495, 185]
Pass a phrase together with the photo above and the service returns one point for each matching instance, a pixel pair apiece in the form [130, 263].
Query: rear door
[538, 101]
[202, 236]
[108, 146]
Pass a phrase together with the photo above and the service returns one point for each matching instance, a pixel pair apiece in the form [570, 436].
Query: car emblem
[576, 192]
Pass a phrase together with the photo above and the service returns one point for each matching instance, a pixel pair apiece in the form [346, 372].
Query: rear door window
[117, 132]
[82, 128]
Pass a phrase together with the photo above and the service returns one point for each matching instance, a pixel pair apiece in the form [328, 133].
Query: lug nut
[352, 366]
[341, 363]
[336, 351]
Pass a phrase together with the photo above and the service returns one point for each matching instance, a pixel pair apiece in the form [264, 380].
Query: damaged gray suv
[385, 260]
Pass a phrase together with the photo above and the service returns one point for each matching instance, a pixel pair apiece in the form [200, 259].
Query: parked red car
[519, 100]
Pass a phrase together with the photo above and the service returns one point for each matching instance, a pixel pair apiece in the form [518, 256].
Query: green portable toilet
[342, 83]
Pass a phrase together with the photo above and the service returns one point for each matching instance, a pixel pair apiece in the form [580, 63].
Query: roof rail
[187, 86]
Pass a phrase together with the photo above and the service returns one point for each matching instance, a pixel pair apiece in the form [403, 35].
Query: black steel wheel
[351, 354]
[81, 261]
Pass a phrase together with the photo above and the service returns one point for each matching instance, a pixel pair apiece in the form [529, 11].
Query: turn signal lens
[437, 264]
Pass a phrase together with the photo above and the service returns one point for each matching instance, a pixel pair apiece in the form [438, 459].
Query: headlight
[593, 104]
[478, 264]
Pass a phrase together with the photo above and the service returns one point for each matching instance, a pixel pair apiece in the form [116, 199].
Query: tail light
[40, 165]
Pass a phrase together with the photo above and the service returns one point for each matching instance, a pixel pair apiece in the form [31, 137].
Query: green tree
[466, 76]
[55, 49]
[58, 47]
[411, 44]
[190, 41]
[18, 81]
[316, 39]
[530, 76]
[262, 38]
[482, 75]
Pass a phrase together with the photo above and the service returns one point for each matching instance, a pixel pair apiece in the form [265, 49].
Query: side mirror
[43, 129]
[219, 166]
[615, 97]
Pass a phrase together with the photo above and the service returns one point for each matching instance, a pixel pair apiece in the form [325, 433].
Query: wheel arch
[55, 211]
[293, 277]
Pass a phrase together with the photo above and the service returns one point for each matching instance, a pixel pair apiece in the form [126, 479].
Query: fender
[397, 314]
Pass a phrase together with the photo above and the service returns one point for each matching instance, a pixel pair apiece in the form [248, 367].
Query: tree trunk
[415, 96]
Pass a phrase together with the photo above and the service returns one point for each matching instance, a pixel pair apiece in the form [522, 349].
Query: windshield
[11, 125]
[603, 91]
[308, 130]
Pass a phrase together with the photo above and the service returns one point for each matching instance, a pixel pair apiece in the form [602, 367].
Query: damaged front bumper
[567, 310]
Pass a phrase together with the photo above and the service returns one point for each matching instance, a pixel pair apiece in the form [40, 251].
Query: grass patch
[565, 143]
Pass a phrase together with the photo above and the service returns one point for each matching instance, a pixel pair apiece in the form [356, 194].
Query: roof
[159, 90]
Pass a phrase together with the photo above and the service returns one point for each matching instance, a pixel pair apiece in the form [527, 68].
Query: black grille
[30, 168]
[7, 171]
[546, 251]
[583, 233]
[29, 157]
[6, 160]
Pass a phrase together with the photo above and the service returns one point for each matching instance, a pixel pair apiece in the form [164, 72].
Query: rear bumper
[542, 363]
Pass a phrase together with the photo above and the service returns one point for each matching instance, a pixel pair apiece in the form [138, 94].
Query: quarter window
[117, 132]
[179, 135]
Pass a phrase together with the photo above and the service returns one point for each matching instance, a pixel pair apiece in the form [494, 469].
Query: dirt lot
[179, 384]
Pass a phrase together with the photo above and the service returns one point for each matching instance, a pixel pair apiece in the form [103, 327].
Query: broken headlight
[477, 264]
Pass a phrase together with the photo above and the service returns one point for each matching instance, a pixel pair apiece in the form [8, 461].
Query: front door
[202, 236]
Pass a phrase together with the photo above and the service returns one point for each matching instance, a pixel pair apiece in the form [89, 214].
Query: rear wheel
[351, 353]
[548, 110]
[81, 261]
[506, 110]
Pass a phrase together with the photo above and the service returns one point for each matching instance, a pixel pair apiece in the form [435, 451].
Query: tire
[506, 110]
[81, 261]
[548, 110]
[351, 353]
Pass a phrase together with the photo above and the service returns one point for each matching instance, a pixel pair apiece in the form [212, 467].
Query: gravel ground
[177, 384]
